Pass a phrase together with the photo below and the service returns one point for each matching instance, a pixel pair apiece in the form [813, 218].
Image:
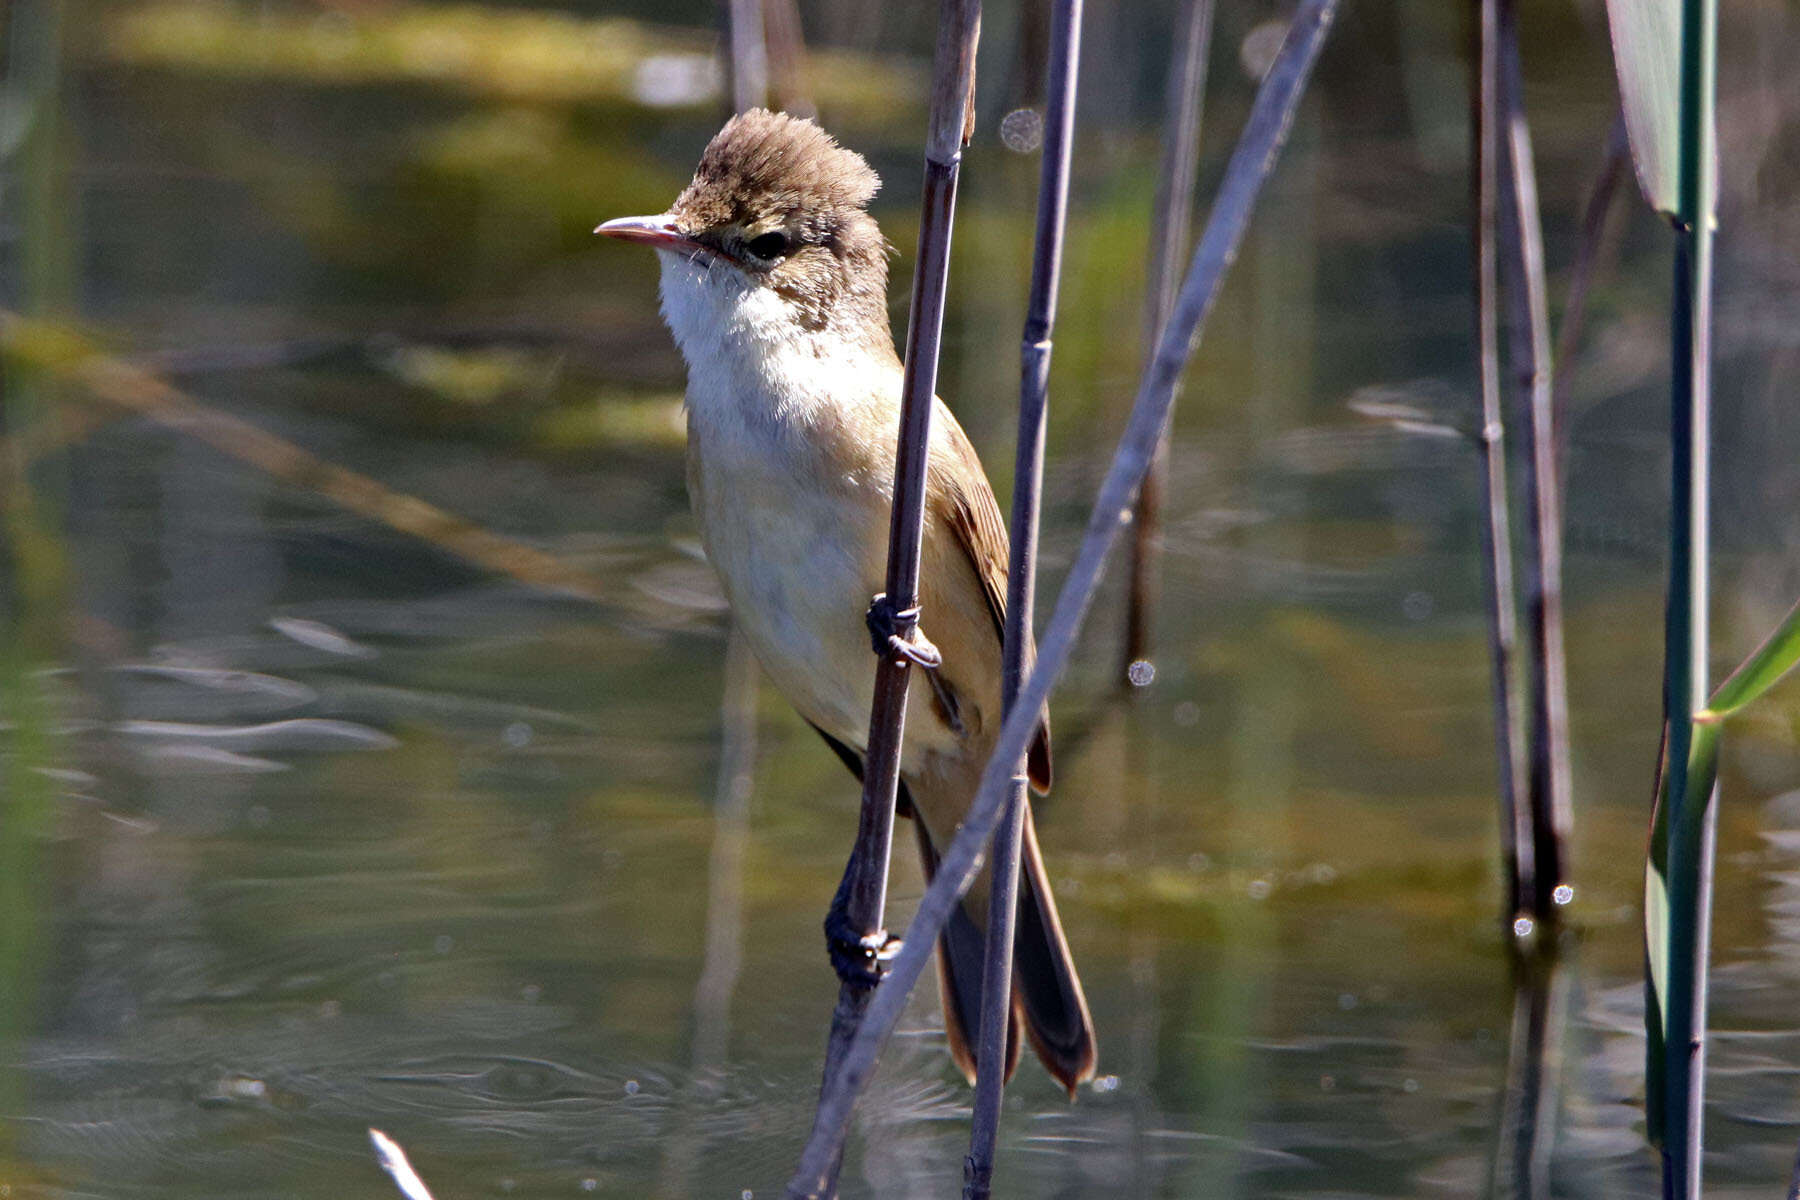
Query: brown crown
[763, 163]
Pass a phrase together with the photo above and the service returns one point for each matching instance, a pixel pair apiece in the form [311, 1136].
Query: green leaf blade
[1646, 37]
[1778, 655]
[1670, 935]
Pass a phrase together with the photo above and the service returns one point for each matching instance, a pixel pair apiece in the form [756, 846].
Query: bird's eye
[768, 246]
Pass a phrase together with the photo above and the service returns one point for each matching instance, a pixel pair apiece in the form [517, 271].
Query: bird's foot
[896, 631]
[859, 959]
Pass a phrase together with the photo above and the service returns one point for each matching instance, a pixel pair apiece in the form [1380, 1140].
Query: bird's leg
[896, 631]
[860, 959]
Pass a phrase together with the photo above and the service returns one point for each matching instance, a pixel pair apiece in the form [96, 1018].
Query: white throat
[749, 358]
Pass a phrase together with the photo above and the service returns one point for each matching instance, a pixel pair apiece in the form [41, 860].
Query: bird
[774, 284]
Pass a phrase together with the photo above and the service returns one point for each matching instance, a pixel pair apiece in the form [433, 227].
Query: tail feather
[1056, 1010]
[1047, 999]
[961, 948]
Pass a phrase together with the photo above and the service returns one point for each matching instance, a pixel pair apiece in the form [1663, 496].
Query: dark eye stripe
[768, 246]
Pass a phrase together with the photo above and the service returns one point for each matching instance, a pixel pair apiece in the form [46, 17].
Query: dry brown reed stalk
[1496, 530]
[60, 354]
[1169, 224]
[1522, 273]
[862, 896]
[785, 49]
[749, 54]
[1265, 131]
[1021, 582]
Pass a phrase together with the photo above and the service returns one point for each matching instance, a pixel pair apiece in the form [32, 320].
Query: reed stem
[1021, 583]
[1266, 130]
[1496, 530]
[749, 58]
[1169, 225]
[862, 896]
[1692, 815]
[1522, 265]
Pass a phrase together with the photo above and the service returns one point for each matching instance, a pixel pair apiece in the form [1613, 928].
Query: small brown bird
[774, 283]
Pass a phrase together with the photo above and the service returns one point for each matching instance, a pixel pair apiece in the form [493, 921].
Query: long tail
[1047, 997]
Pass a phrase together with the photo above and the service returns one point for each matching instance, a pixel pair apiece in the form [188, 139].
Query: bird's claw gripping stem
[859, 959]
[885, 623]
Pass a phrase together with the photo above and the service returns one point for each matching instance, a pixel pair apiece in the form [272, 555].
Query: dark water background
[312, 825]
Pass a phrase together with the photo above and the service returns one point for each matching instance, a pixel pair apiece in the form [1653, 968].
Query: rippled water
[315, 825]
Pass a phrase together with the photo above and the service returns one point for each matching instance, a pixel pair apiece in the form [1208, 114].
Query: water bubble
[1563, 894]
[530, 993]
[746, 1194]
[1106, 1083]
[330, 1009]
[1410, 1085]
[1022, 130]
[1259, 889]
[590, 1184]
[631, 1087]
[1347, 1001]
[1417, 606]
[1186, 713]
[508, 1184]
[442, 943]
[517, 735]
[1522, 927]
[1141, 673]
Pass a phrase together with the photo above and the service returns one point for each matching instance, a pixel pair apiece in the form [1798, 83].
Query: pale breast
[795, 524]
[790, 467]
[795, 558]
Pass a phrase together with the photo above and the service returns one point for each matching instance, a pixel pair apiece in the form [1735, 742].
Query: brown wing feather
[973, 515]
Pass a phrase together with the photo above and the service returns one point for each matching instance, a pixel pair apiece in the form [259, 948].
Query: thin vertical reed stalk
[1522, 265]
[1169, 224]
[749, 57]
[1496, 530]
[1692, 815]
[1021, 583]
[785, 50]
[862, 896]
[1277, 100]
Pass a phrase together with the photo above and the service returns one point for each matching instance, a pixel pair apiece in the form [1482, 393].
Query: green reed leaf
[1778, 655]
[1662, 941]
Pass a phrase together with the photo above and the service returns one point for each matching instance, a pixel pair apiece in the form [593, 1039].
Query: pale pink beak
[658, 232]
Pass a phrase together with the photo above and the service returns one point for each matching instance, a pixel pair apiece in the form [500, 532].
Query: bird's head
[773, 230]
